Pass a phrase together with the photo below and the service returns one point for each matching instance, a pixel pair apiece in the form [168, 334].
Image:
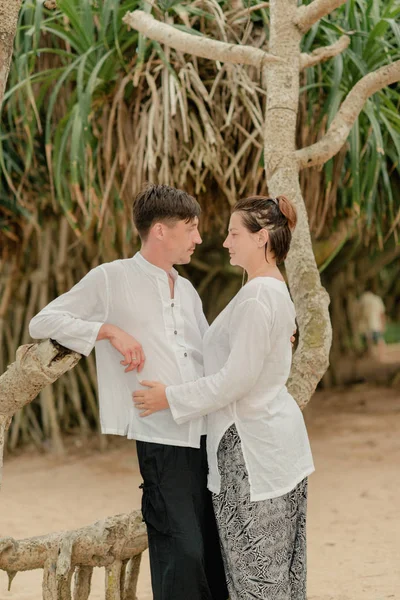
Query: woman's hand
[151, 400]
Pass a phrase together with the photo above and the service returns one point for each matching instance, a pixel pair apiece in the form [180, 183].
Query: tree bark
[9, 11]
[113, 581]
[116, 538]
[195, 44]
[36, 366]
[307, 15]
[83, 579]
[310, 299]
[322, 54]
[330, 144]
[131, 578]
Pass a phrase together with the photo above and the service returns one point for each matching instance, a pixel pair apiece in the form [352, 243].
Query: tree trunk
[310, 298]
[9, 10]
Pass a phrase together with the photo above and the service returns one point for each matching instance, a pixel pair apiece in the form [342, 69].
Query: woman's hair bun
[288, 210]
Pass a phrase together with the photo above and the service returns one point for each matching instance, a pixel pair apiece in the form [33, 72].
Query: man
[143, 299]
[372, 323]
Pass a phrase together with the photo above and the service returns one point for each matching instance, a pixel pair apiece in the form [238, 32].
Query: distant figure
[372, 323]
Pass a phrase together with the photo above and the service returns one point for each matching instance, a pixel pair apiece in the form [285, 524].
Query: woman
[257, 445]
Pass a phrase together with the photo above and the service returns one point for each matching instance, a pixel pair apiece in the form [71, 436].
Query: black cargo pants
[185, 556]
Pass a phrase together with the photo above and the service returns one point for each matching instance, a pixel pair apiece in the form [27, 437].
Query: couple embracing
[222, 446]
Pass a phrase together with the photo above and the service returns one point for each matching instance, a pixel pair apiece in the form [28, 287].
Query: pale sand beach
[354, 508]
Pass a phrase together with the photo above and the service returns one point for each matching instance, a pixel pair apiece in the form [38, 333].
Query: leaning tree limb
[115, 542]
[322, 54]
[35, 367]
[307, 15]
[198, 45]
[330, 144]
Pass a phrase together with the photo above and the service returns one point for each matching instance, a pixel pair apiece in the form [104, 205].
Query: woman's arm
[249, 344]
[77, 319]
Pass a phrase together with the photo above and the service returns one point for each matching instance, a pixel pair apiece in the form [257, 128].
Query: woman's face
[241, 243]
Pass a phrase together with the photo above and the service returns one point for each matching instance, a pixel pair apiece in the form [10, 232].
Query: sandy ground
[354, 508]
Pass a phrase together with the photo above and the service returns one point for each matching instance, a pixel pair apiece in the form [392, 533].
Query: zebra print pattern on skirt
[263, 543]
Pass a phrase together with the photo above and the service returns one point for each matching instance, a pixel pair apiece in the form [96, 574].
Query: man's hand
[130, 348]
[151, 400]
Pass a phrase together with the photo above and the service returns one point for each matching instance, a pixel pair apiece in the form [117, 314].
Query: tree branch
[320, 152]
[98, 545]
[306, 16]
[245, 12]
[322, 54]
[35, 367]
[198, 45]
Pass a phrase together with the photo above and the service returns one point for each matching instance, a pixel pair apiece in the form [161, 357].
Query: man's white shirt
[134, 295]
[372, 312]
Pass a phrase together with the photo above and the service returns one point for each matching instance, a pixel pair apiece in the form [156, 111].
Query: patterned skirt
[263, 543]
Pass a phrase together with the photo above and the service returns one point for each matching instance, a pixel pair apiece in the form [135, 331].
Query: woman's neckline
[266, 277]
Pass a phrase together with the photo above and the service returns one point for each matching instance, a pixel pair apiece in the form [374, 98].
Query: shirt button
[185, 354]
[172, 305]
[175, 332]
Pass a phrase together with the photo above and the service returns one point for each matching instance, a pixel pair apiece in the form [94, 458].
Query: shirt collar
[153, 269]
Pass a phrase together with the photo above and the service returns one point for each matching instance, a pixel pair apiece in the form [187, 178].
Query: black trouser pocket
[154, 510]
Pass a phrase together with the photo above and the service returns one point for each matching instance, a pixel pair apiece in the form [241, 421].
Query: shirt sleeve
[249, 340]
[74, 318]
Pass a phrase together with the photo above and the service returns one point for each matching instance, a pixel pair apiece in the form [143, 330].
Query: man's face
[180, 240]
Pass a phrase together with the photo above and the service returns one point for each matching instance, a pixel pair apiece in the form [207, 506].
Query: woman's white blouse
[247, 360]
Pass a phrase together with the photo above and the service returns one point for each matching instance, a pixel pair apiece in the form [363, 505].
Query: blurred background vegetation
[93, 111]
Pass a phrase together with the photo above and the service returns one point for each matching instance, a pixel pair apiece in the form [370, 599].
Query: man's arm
[75, 318]
[127, 345]
[78, 318]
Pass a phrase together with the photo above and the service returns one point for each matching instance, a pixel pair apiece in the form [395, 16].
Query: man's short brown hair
[162, 203]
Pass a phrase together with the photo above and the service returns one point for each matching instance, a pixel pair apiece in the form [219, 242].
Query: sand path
[354, 508]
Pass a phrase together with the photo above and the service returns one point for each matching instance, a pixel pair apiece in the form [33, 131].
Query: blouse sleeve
[249, 344]
[74, 318]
